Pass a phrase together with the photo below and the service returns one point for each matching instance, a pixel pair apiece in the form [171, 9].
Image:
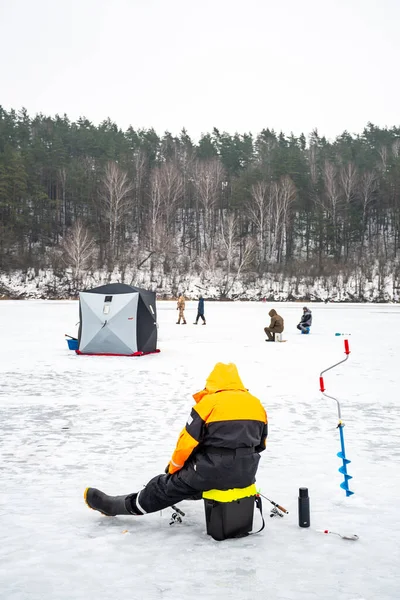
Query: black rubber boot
[107, 505]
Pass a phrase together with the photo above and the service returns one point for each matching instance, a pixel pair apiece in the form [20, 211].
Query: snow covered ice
[68, 422]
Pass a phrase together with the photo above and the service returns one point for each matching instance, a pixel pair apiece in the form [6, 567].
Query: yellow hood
[222, 377]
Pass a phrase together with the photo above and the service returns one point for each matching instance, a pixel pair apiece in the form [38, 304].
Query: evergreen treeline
[79, 195]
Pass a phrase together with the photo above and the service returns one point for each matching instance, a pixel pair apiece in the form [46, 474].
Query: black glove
[166, 470]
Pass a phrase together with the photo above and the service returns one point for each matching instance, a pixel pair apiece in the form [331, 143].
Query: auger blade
[343, 457]
[343, 471]
[345, 487]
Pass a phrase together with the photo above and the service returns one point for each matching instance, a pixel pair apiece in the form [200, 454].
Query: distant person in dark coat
[276, 325]
[200, 311]
[306, 320]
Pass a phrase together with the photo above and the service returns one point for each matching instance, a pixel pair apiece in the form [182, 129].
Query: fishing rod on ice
[177, 515]
[278, 510]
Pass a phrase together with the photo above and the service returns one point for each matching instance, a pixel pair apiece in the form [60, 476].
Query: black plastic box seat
[229, 519]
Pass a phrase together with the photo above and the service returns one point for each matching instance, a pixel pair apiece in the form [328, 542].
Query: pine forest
[78, 198]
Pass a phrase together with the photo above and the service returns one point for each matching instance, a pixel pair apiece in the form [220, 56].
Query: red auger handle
[321, 384]
[346, 347]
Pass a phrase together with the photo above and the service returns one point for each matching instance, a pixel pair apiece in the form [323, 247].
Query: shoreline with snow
[48, 285]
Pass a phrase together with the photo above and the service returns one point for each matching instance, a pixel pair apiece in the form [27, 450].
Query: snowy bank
[47, 284]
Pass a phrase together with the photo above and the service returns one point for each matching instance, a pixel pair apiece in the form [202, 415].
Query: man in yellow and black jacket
[217, 449]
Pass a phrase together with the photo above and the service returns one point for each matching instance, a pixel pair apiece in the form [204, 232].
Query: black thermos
[304, 507]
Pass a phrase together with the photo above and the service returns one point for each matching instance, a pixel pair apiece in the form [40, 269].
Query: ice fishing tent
[117, 319]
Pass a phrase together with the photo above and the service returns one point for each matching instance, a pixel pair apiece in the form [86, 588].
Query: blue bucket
[73, 344]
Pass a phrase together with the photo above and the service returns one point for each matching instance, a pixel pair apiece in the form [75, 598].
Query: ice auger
[342, 454]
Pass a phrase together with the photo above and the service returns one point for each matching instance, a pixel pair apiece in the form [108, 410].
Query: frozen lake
[68, 422]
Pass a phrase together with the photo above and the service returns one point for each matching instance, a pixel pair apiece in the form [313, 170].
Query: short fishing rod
[278, 507]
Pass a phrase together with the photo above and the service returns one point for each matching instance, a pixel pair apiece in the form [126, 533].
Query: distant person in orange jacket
[219, 448]
[181, 307]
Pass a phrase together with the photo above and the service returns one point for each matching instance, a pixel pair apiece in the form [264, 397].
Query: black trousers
[218, 469]
[163, 491]
[200, 316]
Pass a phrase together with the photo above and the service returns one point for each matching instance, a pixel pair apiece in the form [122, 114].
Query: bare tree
[155, 208]
[62, 177]
[116, 201]
[384, 154]
[396, 148]
[165, 191]
[228, 237]
[395, 207]
[332, 201]
[207, 179]
[79, 248]
[230, 244]
[186, 169]
[288, 193]
[316, 204]
[257, 209]
[171, 190]
[368, 184]
[312, 154]
[348, 178]
[283, 194]
[139, 166]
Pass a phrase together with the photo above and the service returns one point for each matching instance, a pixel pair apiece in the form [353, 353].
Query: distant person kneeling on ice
[217, 449]
[306, 320]
[276, 325]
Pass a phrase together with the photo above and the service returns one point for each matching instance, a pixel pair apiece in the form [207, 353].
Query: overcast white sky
[239, 65]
